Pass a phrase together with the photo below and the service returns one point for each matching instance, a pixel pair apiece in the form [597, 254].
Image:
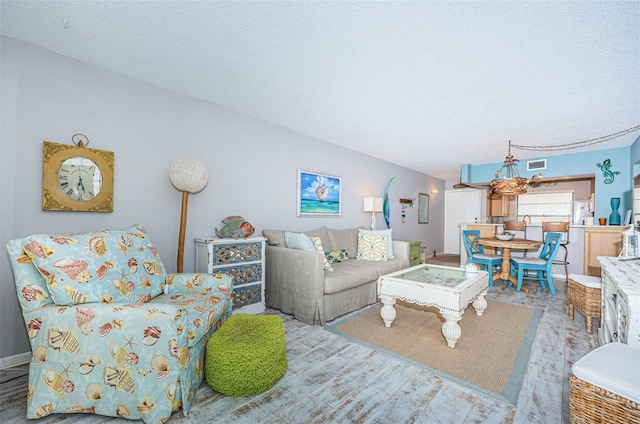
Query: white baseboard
[15, 360]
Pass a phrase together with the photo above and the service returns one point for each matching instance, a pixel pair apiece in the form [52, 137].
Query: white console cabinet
[620, 320]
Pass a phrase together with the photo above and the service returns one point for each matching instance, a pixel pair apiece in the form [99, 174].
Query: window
[548, 206]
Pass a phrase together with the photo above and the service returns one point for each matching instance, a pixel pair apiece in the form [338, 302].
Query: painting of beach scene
[318, 194]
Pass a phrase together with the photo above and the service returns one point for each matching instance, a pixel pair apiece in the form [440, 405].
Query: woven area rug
[491, 356]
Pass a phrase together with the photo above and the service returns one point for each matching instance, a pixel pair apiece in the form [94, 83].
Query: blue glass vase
[614, 218]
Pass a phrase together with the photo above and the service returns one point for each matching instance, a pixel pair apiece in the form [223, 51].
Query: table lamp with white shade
[373, 205]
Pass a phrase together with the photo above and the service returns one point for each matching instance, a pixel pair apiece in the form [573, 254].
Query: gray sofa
[296, 282]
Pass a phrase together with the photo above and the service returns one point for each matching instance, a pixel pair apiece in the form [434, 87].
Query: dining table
[506, 246]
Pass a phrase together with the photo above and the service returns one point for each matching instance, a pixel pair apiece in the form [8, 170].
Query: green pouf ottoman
[247, 355]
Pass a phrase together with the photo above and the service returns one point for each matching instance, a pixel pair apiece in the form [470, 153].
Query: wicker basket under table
[587, 299]
[589, 404]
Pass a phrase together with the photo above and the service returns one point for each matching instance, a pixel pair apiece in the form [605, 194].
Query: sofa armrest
[401, 249]
[294, 282]
[186, 282]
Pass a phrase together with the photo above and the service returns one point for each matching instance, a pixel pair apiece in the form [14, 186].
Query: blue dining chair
[542, 264]
[476, 255]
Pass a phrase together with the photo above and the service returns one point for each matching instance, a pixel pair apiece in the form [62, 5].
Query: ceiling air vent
[536, 165]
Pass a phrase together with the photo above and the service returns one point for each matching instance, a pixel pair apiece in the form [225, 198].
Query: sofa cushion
[392, 265]
[320, 249]
[275, 237]
[372, 247]
[324, 237]
[349, 274]
[388, 233]
[345, 239]
[203, 310]
[107, 266]
[299, 241]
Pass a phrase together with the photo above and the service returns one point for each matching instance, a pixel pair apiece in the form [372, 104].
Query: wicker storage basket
[587, 299]
[589, 404]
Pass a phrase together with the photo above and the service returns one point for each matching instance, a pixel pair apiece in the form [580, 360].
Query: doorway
[460, 206]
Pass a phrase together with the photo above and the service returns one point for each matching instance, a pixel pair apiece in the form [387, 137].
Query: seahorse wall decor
[607, 173]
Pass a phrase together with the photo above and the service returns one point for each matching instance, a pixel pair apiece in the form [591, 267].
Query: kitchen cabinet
[497, 205]
[600, 241]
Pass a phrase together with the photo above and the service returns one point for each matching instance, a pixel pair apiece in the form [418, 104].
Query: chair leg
[589, 325]
[520, 272]
[541, 280]
[490, 271]
[552, 289]
[566, 272]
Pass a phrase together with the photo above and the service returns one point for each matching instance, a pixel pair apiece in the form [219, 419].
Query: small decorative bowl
[505, 236]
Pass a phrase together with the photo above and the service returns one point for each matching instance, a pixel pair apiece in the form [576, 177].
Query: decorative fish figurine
[235, 227]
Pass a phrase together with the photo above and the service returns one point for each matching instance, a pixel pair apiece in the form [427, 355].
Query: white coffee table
[449, 289]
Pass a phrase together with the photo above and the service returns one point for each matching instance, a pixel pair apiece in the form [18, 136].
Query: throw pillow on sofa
[337, 256]
[318, 243]
[299, 241]
[372, 247]
[390, 254]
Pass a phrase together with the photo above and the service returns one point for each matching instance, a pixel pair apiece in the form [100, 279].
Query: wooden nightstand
[416, 253]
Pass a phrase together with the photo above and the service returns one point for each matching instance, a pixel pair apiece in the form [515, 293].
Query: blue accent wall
[577, 164]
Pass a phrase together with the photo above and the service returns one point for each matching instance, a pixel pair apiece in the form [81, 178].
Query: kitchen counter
[536, 225]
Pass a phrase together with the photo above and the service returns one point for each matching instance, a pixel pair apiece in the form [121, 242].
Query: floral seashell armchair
[111, 332]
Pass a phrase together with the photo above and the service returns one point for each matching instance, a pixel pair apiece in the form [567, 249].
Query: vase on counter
[614, 218]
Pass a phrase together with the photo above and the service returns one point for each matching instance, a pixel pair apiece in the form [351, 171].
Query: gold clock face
[76, 178]
[79, 178]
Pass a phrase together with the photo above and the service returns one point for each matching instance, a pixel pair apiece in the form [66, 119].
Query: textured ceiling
[425, 85]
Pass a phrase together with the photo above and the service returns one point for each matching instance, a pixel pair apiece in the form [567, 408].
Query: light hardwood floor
[331, 380]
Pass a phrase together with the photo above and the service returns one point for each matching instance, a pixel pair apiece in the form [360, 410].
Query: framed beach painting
[319, 194]
[423, 208]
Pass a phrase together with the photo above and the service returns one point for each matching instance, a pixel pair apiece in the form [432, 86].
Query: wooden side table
[243, 260]
[414, 253]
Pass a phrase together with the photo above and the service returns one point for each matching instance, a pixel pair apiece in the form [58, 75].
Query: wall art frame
[423, 208]
[318, 194]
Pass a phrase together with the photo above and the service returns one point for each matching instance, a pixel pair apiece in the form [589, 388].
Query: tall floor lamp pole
[187, 175]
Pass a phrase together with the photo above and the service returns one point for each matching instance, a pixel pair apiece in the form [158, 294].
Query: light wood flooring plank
[331, 380]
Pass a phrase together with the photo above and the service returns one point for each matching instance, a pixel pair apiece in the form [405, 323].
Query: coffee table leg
[480, 304]
[451, 330]
[388, 312]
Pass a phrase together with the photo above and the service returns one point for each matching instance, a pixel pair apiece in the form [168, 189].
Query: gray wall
[252, 166]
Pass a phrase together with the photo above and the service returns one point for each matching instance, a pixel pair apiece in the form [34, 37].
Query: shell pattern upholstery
[111, 332]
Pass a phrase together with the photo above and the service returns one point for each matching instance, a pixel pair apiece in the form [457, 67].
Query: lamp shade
[188, 174]
[372, 204]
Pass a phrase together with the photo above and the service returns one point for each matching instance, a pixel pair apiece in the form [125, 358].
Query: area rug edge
[513, 386]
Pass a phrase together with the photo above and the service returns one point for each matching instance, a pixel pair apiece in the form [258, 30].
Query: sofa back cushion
[345, 239]
[276, 237]
[119, 266]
